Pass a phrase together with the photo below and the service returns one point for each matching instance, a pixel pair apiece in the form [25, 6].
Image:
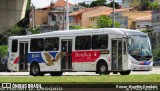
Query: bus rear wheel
[34, 70]
[103, 69]
[56, 73]
[125, 72]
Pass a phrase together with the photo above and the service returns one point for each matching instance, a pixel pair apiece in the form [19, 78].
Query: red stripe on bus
[16, 60]
[85, 56]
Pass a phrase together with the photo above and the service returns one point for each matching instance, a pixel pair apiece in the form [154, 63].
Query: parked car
[3, 64]
[156, 62]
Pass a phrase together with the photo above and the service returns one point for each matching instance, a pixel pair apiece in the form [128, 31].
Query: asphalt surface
[154, 71]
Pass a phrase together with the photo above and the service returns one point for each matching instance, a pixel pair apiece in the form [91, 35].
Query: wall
[41, 17]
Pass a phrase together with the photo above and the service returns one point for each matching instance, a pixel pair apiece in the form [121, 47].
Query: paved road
[154, 71]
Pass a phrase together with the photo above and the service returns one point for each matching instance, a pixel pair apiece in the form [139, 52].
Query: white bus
[90, 50]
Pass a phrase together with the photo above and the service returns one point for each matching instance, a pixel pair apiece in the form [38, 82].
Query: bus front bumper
[135, 67]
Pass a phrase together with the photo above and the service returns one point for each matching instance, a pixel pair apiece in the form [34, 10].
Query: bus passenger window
[99, 41]
[51, 44]
[14, 45]
[83, 43]
[37, 45]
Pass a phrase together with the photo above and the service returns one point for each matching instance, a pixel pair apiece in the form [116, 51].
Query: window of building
[14, 45]
[99, 41]
[51, 44]
[37, 45]
[60, 17]
[53, 17]
[75, 9]
[83, 43]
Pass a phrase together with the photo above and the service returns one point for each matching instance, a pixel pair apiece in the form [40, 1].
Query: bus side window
[37, 45]
[51, 44]
[83, 43]
[99, 41]
[14, 45]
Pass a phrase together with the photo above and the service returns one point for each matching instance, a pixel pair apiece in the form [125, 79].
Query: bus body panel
[13, 59]
[82, 60]
[47, 61]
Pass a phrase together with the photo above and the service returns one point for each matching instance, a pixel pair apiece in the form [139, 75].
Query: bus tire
[103, 68]
[56, 73]
[34, 70]
[125, 72]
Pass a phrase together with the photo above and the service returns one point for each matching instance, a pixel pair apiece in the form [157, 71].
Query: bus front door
[23, 56]
[117, 54]
[66, 50]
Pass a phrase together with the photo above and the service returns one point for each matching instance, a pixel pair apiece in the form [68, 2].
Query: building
[84, 17]
[143, 23]
[52, 17]
[133, 15]
[125, 4]
[87, 18]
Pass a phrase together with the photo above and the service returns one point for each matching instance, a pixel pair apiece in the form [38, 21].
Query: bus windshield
[140, 47]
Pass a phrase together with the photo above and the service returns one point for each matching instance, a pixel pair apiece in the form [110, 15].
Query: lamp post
[67, 16]
[33, 16]
[113, 21]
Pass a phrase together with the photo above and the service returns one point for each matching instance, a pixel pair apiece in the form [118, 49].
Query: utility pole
[33, 16]
[113, 21]
[67, 15]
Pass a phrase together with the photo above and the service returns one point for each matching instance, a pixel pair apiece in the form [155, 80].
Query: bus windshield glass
[140, 47]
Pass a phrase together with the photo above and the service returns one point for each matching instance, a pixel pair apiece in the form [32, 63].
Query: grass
[90, 79]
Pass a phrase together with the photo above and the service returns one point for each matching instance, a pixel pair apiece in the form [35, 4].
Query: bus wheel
[35, 70]
[103, 69]
[56, 73]
[125, 72]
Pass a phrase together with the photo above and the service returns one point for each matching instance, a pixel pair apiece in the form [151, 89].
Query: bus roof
[116, 31]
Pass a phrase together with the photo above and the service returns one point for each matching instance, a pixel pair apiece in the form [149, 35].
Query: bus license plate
[142, 68]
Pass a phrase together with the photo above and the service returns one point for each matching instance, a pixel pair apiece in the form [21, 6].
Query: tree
[3, 51]
[105, 21]
[147, 5]
[74, 27]
[98, 3]
[25, 21]
[155, 5]
[83, 4]
[117, 6]
[35, 30]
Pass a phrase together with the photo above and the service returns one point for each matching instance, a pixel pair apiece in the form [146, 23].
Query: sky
[44, 3]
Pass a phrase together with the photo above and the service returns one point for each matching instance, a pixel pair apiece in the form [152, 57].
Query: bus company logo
[95, 54]
[49, 58]
[83, 54]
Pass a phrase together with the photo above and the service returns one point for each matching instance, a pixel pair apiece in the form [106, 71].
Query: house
[133, 15]
[156, 21]
[88, 17]
[83, 17]
[39, 18]
[52, 17]
[143, 23]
